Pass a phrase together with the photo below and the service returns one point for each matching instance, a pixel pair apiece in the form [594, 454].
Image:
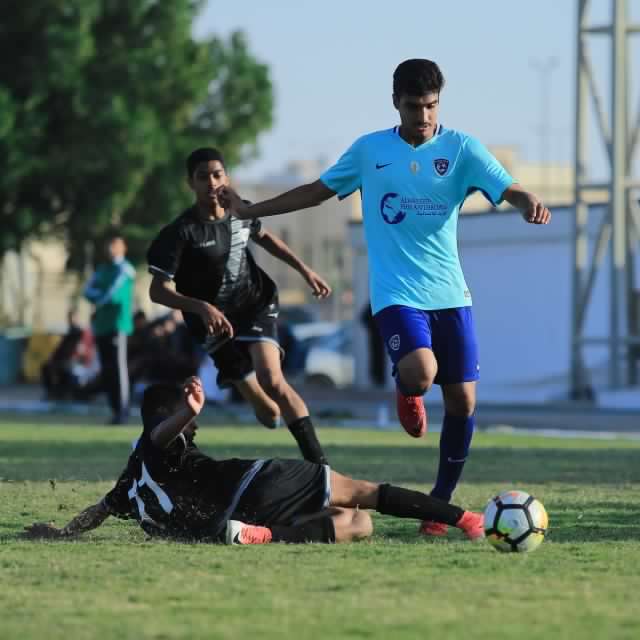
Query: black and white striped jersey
[210, 260]
[179, 492]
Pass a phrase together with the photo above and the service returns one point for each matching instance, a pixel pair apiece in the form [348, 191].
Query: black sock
[304, 433]
[318, 530]
[404, 503]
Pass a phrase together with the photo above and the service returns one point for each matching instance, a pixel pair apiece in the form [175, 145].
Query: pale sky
[332, 62]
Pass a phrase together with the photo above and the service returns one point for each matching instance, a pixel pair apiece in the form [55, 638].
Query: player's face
[418, 115]
[208, 177]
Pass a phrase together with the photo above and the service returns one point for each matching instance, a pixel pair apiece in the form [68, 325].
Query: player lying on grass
[174, 490]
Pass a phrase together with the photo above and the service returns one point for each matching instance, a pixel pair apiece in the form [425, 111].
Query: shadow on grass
[103, 460]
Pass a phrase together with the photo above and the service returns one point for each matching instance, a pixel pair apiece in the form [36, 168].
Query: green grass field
[113, 583]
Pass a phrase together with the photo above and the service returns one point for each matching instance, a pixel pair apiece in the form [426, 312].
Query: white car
[330, 362]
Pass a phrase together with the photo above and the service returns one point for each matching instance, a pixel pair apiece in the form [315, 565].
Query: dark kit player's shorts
[283, 491]
[449, 333]
[231, 356]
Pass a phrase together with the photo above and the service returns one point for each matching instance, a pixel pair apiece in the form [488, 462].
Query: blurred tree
[100, 102]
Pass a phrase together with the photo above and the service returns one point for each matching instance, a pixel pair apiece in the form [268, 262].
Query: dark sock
[304, 433]
[404, 390]
[318, 530]
[405, 503]
[455, 440]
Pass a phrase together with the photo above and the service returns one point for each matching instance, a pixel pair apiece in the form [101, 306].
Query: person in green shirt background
[110, 289]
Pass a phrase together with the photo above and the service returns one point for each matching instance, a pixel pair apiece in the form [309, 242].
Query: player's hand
[194, 394]
[536, 212]
[215, 321]
[42, 531]
[229, 199]
[318, 285]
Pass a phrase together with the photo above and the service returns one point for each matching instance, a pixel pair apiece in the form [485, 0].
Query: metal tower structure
[619, 232]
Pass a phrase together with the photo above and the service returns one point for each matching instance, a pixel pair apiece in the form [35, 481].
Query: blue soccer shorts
[449, 333]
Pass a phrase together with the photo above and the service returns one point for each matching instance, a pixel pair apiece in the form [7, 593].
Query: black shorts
[284, 490]
[231, 356]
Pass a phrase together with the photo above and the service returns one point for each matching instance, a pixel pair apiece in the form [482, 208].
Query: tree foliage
[100, 102]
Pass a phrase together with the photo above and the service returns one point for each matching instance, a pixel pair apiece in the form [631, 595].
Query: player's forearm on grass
[308, 195]
[163, 292]
[91, 518]
[168, 430]
[279, 249]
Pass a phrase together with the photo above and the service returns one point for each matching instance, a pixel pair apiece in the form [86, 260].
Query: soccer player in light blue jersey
[413, 179]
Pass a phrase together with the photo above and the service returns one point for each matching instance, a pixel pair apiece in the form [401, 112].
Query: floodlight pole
[619, 230]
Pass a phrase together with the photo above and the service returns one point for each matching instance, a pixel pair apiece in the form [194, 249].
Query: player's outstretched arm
[308, 195]
[88, 519]
[532, 209]
[281, 250]
[168, 430]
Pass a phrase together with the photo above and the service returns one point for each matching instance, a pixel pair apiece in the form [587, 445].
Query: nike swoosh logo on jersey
[382, 166]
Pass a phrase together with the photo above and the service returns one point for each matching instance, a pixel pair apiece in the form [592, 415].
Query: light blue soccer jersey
[411, 198]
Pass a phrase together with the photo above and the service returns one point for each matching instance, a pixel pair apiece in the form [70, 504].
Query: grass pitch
[113, 583]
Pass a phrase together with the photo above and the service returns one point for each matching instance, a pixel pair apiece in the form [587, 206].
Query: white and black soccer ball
[515, 521]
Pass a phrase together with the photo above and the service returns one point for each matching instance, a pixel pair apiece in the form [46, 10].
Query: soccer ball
[515, 521]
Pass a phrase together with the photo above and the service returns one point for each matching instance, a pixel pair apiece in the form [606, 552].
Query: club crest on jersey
[441, 165]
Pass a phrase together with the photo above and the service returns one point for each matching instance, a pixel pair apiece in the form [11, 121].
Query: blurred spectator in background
[110, 289]
[138, 346]
[162, 350]
[74, 356]
[377, 354]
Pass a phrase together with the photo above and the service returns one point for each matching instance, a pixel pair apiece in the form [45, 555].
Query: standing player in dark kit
[175, 491]
[202, 266]
[414, 178]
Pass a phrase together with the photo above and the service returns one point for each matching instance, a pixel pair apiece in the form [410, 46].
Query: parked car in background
[330, 362]
[299, 329]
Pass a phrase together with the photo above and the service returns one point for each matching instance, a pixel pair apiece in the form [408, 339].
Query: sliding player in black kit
[202, 266]
[176, 491]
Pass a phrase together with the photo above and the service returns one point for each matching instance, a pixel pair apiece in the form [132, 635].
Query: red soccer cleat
[472, 525]
[412, 414]
[436, 529]
[241, 533]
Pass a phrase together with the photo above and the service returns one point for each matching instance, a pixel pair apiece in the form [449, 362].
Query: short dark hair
[417, 77]
[204, 154]
[159, 399]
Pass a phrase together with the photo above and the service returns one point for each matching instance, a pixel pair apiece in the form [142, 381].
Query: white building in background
[520, 279]
[319, 236]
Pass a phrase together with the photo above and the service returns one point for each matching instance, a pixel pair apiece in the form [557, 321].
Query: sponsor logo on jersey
[390, 209]
[395, 208]
[208, 243]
